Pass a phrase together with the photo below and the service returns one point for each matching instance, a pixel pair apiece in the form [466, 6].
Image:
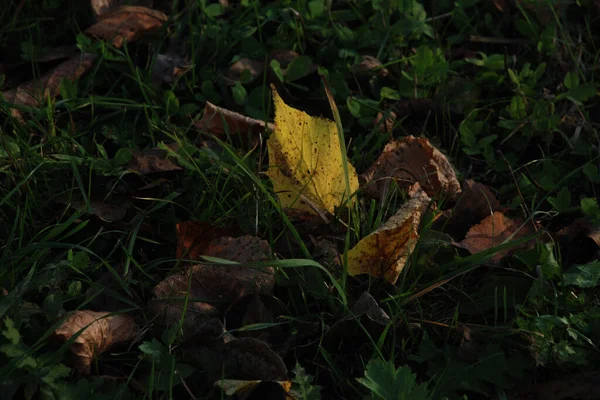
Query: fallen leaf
[253, 309]
[194, 238]
[153, 160]
[243, 390]
[249, 358]
[103, 333]
[236, 70]
[108, 212]
[408, 161]
[370, 64]
[493, 231]
[305, 157]
[387, 125]
[384, 252]
[367, 305]
[167, 67]
[475, 203]
[127, 23]
[210, 287]
[216, 119]
[33, 93]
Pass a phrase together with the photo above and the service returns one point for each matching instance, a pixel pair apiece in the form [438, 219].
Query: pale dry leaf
[493, 231]
[305, 161]
[385, 252]
[218, 121]
[408, 161]
[34, 93]
[127, 23]
[103, 333]
[153, 160]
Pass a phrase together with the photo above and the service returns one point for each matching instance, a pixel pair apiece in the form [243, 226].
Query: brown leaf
[167, 67]
[384, 252]
[493, 231]
[408, 161]
[253, 389]
[153, 160]
[215, 119]
[212, 286]
[256, 308]
[194, 237]
[367, 305]
[34, 92]
[370, 64]
[106, 211]
[234, 73]
[475, 203]
[501, 5]
[127, 23]
[386, 126]
[102, 333]
[249, 358]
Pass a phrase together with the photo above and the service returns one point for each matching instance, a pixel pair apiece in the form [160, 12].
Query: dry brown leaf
[127, 23]
[153, 160]
[408, 161]
[475, 203]
[102, 333]
[234, 73]
[249, 358]
[215, 119]
[493, 231]
[386, 126]
[368, 65]
[167, 67]
[194, 238]
[384, 253]
[212, 286]
[34, 92]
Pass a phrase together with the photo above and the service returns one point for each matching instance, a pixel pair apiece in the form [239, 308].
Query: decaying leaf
[387, 125]
[244, 389]
[102, 7]
[305, 157]
[235, 72]
[384, 253]
[127, 23]
[475, 203]
[211, 286]
[34, 92]
[218, 121]
[370, 64]
[367, 305]
[194, 238]
[153, 160]
[411, 160]
[493, 231]
[167, 67]
[102, 333]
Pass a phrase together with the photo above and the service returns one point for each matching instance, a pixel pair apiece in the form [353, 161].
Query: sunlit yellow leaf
[305, 160]
[385, 251]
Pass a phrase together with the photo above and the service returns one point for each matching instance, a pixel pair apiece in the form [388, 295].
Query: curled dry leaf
[100, 334]
[153, 160]
[34, 92]
[368, 65]
[492, 232]
[305, 160]
[387, 125]
[212, 286]
[127, 23]
[218, 121]
[411, 160]
[384, 253]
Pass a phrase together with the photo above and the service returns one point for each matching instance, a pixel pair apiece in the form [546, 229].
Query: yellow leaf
[384, 252]
[305, 160]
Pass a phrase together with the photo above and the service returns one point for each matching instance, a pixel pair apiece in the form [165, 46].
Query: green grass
[510, 97]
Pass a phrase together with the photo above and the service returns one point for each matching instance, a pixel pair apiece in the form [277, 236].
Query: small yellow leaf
[384, 252]
[305, 160]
